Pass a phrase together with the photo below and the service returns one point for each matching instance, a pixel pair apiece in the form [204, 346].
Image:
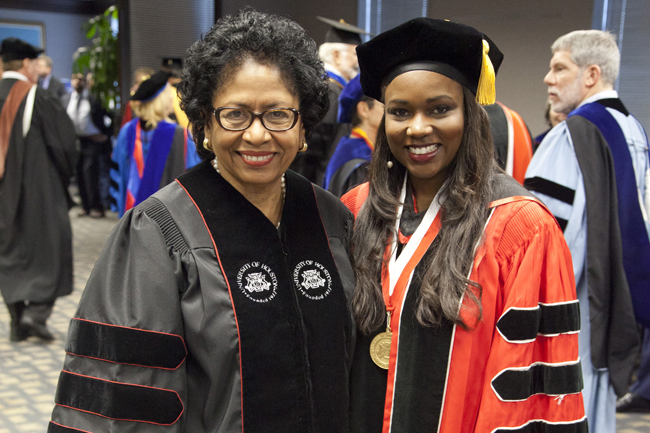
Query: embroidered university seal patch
[312, 279]
[257, 281]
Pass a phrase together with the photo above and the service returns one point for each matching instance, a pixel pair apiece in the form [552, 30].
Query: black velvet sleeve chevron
[547, 427]
[58, 428]
[125, 345]
[119, 401]
[551, 189]
[518, 325]
[518, 385]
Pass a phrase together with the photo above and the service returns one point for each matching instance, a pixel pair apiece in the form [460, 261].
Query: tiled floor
[29, 370]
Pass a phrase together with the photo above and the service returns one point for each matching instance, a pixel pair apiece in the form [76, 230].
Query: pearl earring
[389, 164]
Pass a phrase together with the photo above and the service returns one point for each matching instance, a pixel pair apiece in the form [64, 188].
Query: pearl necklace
[283, 183]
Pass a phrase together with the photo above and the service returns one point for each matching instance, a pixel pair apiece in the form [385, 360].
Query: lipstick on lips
[256, 159]
[422, 153]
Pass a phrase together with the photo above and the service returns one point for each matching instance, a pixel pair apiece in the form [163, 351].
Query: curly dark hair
[268, 39]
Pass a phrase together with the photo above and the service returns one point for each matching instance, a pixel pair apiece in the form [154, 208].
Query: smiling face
[424, 124]
[565, 81]
[255, 157]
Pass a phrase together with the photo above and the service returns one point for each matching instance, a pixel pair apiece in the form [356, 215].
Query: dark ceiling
[82, 7]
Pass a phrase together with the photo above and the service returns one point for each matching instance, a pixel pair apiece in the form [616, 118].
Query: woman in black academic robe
[220, 304]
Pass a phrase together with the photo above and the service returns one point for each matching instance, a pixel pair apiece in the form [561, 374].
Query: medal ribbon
[397, 275]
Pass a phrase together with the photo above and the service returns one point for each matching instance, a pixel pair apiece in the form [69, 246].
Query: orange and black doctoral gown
[517, 369]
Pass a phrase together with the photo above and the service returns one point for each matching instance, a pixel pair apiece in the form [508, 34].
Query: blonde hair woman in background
[151, 151]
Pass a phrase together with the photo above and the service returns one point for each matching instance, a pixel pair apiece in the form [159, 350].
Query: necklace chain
[283, 182]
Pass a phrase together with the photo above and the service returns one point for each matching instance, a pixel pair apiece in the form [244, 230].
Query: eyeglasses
[238, 119]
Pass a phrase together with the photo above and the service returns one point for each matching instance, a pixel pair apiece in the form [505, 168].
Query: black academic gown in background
[35, 232]
[56, 88]
[321, 145]
[200, 316]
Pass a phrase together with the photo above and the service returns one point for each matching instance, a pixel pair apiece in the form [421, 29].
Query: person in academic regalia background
[151, 151]
[593, 172]
[45, 78]
[465, 294]
[552, 119]
[139, 75]
[341, 65]
[348, 166]
[37, 159]
[220, 303]
[175, 66]
[512, 142]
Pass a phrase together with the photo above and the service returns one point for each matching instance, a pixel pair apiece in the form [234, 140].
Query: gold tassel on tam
[486, 93]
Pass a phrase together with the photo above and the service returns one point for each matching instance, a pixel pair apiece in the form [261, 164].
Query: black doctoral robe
[201, 316]
[35, 233]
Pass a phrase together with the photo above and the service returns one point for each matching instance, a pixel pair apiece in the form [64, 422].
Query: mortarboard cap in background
[16, 49]
[454, 50]
[151, 87]
[342, 32]
[348, 100]
[172, 63]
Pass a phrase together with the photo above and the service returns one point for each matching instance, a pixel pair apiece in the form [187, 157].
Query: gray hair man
[45, 78]
[592, 171]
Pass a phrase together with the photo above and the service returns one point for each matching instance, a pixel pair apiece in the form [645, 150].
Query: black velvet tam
[451, 49]
[342, 32]
[16, 49]
[150, 88]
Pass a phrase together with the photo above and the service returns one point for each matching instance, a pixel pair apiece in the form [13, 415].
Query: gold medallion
[380, 349]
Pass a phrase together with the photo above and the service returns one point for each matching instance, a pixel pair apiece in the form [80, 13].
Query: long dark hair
[464, 213]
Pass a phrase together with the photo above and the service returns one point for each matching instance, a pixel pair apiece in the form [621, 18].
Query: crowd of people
[452, 274]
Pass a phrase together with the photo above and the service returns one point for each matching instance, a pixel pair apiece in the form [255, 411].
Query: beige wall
[524, 31]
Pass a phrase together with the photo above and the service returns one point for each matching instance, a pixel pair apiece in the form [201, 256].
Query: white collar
[14, 75]
[396, 265]
[605, 94]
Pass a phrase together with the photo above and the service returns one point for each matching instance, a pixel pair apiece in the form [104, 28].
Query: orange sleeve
[355, 198]
[532, 376]
[523, 147]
